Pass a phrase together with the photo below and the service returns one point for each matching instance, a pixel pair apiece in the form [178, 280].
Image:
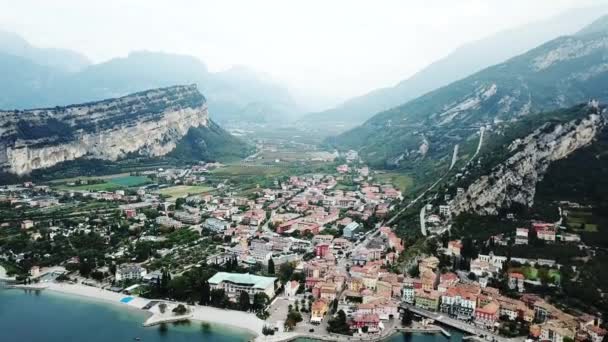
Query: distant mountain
[235, 95]
[561, 73]
[462, 62]
[62, 59]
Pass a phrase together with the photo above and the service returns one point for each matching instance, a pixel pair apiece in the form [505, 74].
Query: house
[521, 236]
[27, 224]
[350, 229]
[444, 210]
[130, 272]
[322, 249]
[427, 299]
[516, 281]
[557, 331]
[291, 289]
[487, 315]
[166, 221]
[370, 321]
[318, 310]
[234, 283]
[215, 224]
[35, 271]
[546, 234]
[454, 248]
[458, 302]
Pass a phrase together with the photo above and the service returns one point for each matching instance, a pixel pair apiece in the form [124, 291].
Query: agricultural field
[238, 170]
[109, 183]
[178, 191]
[401, 181]
[581, 221]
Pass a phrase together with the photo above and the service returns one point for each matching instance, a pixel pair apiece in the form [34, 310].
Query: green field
[581, 220]
[401, 181]
[109, 184]
[532, 273]
[178, 191]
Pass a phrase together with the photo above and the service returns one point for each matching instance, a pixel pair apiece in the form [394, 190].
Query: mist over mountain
[233, 95]
[560, 73]
[62, 59]
[464, 61]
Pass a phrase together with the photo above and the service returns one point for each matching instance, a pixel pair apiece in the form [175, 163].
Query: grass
[531, 273]
[581, 220]
[178, 191]
[401, 181]
[110, 183]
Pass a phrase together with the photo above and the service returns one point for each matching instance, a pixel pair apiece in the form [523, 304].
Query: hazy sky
[330, 48]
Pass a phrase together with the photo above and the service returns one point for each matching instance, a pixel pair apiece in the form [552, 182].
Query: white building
[130, 271]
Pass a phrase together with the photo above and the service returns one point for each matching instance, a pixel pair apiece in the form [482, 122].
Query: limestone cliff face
[148, 123]
[514, 180]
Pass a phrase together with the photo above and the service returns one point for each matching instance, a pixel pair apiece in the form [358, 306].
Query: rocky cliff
[149, 123]
[514, 180]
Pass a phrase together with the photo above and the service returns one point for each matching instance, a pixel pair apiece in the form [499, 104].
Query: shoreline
[248, 323]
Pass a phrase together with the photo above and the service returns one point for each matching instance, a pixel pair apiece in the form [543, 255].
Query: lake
[44, 316]
[51, 317]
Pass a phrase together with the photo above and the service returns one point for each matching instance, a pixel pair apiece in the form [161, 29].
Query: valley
[470, 198]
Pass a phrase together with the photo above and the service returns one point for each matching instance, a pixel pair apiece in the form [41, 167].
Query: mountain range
[462, 62]
[34, 77]
[560, 73]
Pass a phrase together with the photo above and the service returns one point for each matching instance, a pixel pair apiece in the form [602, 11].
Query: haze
[325, 51]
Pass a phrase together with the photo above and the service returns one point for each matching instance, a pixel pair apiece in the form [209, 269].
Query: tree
[406, 318]
[338, 324]
[286, 271]
[180, 310]
[205, 293]
[219, 298]
[244, 303]
[270, 266]
[260, 301]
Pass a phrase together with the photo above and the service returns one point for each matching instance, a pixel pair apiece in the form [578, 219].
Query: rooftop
[254, 281]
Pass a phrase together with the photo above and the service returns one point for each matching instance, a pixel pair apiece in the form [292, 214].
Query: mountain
[35, 80]
[510, 168]
[561, 73]
[464, 61]
[61, 59]
[148, 124]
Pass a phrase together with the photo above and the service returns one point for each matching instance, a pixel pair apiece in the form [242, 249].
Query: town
[315, 254]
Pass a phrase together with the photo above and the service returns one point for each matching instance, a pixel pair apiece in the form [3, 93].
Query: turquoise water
[50, 317]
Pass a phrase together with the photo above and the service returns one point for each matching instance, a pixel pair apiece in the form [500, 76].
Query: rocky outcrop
[148, 123]
[514, 180]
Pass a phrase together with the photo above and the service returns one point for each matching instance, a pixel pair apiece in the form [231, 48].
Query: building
[215, 224]
[427, 300]
[369, 321]
[521, 236]
[454, 248]
[291, 289]
[27, 224]
[459, 303]
[444, 210]
[487, 315]
[235, 283]
[186, 217]
[321, 249]
[166, 221]
[318, 310]
[516, 281]
[130, 272]
[350, 229]
[557, 331]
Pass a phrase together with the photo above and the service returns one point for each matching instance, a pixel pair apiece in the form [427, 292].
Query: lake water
[51, 317]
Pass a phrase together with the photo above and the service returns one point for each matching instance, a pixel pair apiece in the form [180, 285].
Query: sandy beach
[237, 319]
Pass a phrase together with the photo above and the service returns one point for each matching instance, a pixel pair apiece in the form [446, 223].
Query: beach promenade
[236, 319]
